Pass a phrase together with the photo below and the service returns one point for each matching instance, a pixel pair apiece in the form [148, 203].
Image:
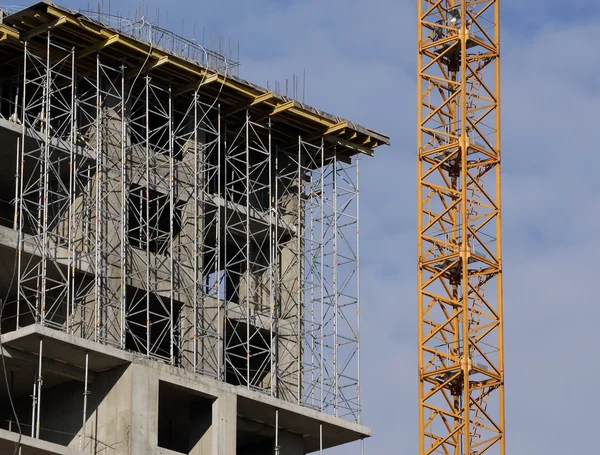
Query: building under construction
[180, 256]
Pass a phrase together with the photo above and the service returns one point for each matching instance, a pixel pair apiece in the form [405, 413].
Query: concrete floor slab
[252, 406]
[31, 446]
[66, 348]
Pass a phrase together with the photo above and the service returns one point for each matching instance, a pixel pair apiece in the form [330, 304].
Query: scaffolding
[156, 219]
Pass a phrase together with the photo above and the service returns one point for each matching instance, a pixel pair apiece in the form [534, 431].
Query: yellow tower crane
[461, 353]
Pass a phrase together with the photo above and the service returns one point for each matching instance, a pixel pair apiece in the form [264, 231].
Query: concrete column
[183, 247]
[224, 423]
[109, 412]
[144, 410]
[288, 349]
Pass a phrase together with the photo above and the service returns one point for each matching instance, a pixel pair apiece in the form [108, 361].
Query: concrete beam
[53, 366]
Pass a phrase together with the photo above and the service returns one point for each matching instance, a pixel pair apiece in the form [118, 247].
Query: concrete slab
[300, 420]
[258, 407]
[31, 446]
[66, 348]
[252, 406]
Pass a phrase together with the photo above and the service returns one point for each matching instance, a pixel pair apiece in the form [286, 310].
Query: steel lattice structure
[461, 357]
[153, 220]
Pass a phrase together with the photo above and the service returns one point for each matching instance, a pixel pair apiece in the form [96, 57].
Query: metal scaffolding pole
[85, 401]
[146, 221]
[98, 288]
[40, 381]
[136, 316]
[86, 292]
[248, 272]
[287, 269]
[273, 261]
[299, 338]
[321, 262]
[70, 301]
[153, 217]
[220, 274]
[109, 257]
[310, 193]
[171, 233]
[358, 406]
[45, 184]
[33, 404]
[195, 231]
[330, 283]
[346, 282]
[123, 220]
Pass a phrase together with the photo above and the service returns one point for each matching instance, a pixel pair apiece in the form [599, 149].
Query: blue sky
[360, 61]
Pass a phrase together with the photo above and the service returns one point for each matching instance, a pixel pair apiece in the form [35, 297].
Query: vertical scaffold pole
[44, 190]
[148, 218]
[98, 209]
[197, 247]
[218, 233]
[20, 193]
[321, 438]
[70, 289]
[322, 280]
[359, 414]
[85, 400]
[222, 194]
[171, 231]
[124, 215]
[300, 279]
[17, 178]
[273, 339]
[247, 247]
[277, 432]
[336, 290]
[39, 391]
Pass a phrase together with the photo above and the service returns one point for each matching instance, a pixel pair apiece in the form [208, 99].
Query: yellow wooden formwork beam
[283, 107]
[98, 46]
[347, 144]
[147, 67]
[44, 28]
[277, 109]
[208, 79]
[8, 33]
[203, 75]
[255, 102]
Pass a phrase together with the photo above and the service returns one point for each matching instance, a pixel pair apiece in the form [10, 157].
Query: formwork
[181, 248]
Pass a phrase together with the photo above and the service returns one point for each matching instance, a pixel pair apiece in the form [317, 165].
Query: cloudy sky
[359, 56]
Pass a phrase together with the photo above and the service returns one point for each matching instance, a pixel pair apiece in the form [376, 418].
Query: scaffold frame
[186, 235]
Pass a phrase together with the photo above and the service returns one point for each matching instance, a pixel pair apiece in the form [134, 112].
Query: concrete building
[180, 249]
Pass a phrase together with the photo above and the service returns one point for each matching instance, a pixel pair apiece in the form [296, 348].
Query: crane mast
[461, 353]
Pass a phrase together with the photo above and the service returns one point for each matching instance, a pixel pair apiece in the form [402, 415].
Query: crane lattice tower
[461, 357]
